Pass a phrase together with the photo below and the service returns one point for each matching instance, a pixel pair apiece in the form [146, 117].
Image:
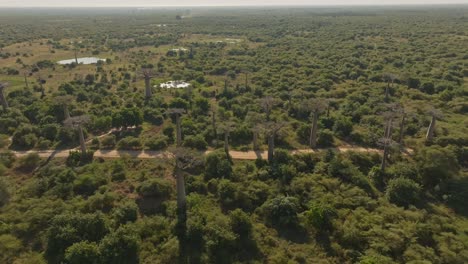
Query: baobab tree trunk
[178, 131]
[226, 143]
[181, 213]
[430, 130]
[383, 165]
[215, 132]
[271, 146]
[388, 130]
[76, 56]
[3, 100]
[66, 113]
[313, 131]
[26, 83]
[387, 92]
[402, 129]
[82, 142]
[148, 92]
[255, 140]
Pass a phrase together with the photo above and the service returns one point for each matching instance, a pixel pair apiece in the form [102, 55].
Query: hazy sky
[116, 3]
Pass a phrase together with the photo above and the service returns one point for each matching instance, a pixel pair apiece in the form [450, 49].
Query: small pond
[85, 60]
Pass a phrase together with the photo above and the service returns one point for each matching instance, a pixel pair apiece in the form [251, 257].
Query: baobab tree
[26, 71]
[386, 141]
[65, 101]
[435, 114]
[214, 110]
[255, 120]
[272, 128]
[268, 103]
[3, 100]
[147, 74]
[227, 126]
[77, 122]
[178, 112]
[314, 107]
[390, 79]
[184, 159]
[41, 82]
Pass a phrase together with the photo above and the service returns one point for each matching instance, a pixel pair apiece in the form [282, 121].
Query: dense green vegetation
[380, 94]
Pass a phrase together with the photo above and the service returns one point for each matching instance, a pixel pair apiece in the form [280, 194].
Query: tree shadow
[296, 233]
[457, 190]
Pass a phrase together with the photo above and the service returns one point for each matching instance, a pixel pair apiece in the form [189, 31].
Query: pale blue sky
[120, 3]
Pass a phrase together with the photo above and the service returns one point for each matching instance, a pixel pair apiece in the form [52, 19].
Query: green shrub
[108, 142]
[158, 143]
[126, 212]
[4, 194]
[217, 166]
[281, 211]
[29, 162]
[82, 252]
[155, 188]
[87, 184]
[320, 216]
[129, 143]
[403, 192]
[121, 246]
[196, 142]
[325, 138]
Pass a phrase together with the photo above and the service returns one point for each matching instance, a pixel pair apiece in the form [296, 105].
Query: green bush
[29, 162]
[87, 184]
[82, 252]
[325, 138]
[217, 166]
[158, 143]
[108, 142]
[155, 188]
[125, 212]
[4, 194]
[129, 143]
[281, 211]
[320, 216]
[196, 142]
[121, 246]
[403, 192]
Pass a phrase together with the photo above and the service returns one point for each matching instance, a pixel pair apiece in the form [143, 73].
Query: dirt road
[238, 155]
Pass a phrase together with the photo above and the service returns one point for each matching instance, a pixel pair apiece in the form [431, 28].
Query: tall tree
[314, 107]
[268, 103]
[177, 112]
[41, 82]
[65, 101]
[77, 122]
[390, 79]
[227, 126]
[214, 110]
[435, 114]
[184, 159]
[255, 120]
[386, 141]
[272, 128]
[3, 99]
[26, 71]
[147, 74]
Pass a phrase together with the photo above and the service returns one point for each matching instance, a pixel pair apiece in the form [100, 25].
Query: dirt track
[238, 155]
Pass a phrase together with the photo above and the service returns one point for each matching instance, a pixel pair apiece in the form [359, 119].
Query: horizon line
[273, 5]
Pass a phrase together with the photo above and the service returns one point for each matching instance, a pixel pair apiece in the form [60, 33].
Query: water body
[85, 60]
[175, 84]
